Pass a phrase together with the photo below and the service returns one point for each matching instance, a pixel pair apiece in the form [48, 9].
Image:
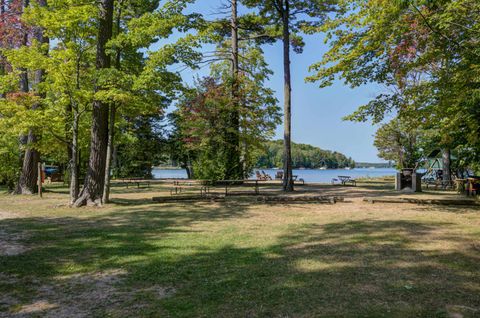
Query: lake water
[309, 175]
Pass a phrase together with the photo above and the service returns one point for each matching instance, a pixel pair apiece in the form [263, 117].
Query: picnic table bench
[344, 180]
[136, 181]
[439, 184]
[230, 183]
[279, 176]
[473, 186]
[204, 186]
[181, 186]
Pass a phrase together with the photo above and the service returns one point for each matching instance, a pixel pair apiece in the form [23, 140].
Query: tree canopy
[424, 53]
[97, 87]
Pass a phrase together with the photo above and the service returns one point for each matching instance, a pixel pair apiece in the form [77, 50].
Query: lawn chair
[279, 175]
[259, 176]
[266, 176]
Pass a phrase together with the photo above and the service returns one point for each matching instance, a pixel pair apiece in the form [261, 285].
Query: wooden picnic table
[228, 183]
[179, 186]
[444, 185]
[347, 179]
[204, 185]
[471, 188]
[137, 181]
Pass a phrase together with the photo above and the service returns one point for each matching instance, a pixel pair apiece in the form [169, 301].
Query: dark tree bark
[287, 159]
[112, 115]
[92, 191]
[27, 183]
[234, 169]
[108, 162]
[74, 169]
[447, 175]
[70, 141]
[73, 114]
[189, 169]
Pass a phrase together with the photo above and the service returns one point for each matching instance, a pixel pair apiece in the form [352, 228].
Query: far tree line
[303, 156]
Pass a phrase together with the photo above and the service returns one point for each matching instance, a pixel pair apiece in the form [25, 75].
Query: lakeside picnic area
[239, 256]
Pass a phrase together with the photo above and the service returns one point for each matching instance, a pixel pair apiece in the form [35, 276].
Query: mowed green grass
[240, 258]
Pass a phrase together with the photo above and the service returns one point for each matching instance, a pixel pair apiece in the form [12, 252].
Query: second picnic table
[347, 179]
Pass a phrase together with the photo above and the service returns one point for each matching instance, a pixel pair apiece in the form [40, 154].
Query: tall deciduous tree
[399, 142]
[388, 42]
[203, 116]
[29, 174]
[25, 38]
[93, 188]
[69, 79]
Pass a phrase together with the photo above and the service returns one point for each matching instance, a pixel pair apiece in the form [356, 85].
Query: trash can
[408, 180]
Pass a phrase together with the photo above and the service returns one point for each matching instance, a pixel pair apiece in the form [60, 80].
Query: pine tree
[285, 20]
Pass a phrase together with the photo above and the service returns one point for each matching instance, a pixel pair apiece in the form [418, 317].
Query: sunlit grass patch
[238, 258]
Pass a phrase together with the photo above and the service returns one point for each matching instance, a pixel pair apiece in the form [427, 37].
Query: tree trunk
[108, 162]
[2, 72]
[189, 168]
[447, 175]
[2, 62]
[74, 184]
[111, 128]
[27, 183]
[28, 175]
[287, 159]
[115, 160]
[68, 134]
[233, 163]
[92, 191]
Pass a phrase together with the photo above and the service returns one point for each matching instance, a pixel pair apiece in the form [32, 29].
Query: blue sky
[316, 113]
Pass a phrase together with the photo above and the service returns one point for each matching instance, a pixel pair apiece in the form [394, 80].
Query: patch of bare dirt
[459, 311]
[8, 215]
[36, 307]
[10, 244]
[86, 295]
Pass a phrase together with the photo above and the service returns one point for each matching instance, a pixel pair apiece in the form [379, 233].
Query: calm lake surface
[309, 175]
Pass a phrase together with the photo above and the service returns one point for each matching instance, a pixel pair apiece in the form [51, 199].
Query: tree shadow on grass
[95, 240]
[366, 268]
[348, 269]
[456, 209]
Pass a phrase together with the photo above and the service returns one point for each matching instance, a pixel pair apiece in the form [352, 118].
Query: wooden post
[39, 179]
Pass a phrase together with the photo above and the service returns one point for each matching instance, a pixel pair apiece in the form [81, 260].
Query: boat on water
[323, 168]
[348, 168]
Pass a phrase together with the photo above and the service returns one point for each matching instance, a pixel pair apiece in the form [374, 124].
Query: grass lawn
[236, 258]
